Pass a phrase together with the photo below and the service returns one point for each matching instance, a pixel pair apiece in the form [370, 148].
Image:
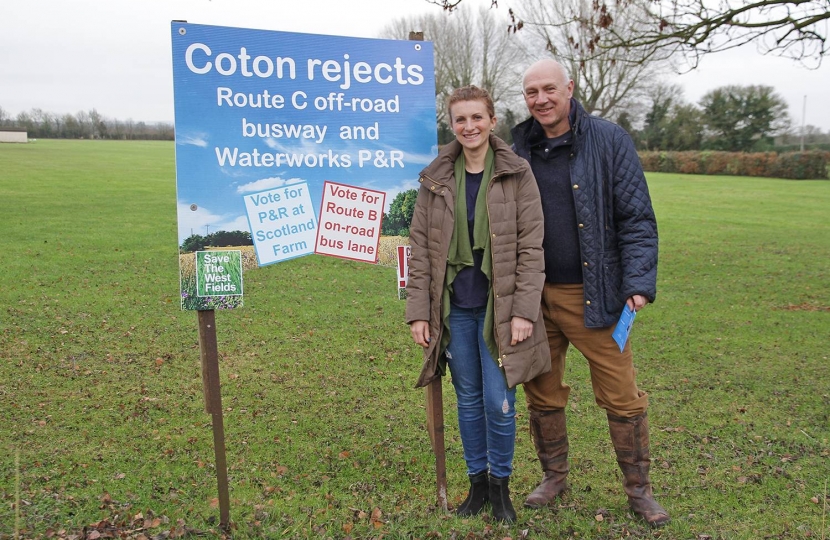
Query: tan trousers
[612, 372]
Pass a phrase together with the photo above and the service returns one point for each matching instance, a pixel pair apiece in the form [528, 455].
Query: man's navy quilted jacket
[616, 223]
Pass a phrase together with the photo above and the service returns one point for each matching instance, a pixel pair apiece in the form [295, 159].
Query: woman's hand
[420, 332]
[520, 329]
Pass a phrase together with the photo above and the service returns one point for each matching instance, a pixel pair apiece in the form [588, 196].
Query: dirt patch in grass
[804, 306]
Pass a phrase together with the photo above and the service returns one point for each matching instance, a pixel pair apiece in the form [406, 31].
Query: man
[600, 253]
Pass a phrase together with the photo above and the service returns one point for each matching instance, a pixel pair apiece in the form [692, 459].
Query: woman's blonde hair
[471, 93]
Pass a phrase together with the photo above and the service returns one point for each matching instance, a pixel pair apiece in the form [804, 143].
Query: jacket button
[432, 188]
[581, 226]
[588, 303]
[576, 186]
[497, 296]
[420, 180]
[494, 235]
[585, 263]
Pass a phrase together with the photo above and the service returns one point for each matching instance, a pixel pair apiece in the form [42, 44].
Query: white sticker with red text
[349, 224]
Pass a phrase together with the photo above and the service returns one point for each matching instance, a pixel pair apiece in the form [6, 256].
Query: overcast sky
[64, 56]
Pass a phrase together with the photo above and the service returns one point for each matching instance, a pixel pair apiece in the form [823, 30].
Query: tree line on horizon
[40, 124]
[730, 118]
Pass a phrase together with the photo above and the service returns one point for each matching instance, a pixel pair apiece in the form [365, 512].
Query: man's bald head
[548, 90]
[546, 67]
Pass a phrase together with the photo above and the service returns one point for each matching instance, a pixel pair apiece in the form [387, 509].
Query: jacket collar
[528, 132]
[505, 161]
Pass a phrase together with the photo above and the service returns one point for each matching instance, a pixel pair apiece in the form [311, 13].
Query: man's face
[547, 94]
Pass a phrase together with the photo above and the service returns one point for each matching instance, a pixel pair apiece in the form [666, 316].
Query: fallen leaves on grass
[139, 527]
[601, 515]
[376, 520]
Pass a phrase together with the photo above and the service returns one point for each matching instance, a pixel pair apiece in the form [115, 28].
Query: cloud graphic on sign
[204, 221]
[296, 147]
[192, 139]
[422, 159]
[266, 183]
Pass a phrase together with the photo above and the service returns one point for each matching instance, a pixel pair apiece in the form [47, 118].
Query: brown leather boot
[630, 438]
[550, 436]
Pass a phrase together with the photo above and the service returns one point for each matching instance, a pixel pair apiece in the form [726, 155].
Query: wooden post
[435, 410]
[435, 427]
[209, 353]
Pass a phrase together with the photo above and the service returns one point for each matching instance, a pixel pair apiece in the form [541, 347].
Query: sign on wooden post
[265, 122]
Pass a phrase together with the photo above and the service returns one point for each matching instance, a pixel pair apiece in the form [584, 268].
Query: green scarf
[461, 252]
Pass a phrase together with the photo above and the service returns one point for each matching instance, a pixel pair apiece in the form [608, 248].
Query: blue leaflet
[624, 325]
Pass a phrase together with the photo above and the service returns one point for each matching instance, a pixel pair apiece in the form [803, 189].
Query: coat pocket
[612, 282]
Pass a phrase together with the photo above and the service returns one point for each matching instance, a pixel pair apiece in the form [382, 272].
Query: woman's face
[471, 123]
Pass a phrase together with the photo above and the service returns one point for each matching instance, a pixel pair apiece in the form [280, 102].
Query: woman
[474, 291]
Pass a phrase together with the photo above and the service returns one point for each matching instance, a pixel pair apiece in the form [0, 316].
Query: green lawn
[101, 393]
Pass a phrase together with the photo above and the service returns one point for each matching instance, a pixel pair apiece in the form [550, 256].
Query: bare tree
[71, 127]
[117, 129]
[25, 121]
[44, 122]
[796, 29]
[471, 47]
[450, 5]
[85, 124]
[129, 128]
[95, 123]
[607, 82]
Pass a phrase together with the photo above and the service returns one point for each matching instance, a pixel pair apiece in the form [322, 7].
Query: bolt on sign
[265, 119]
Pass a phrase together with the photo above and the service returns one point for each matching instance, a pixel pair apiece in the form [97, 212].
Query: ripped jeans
[486, 407]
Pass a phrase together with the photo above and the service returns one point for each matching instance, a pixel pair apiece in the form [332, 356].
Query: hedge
[811, 164]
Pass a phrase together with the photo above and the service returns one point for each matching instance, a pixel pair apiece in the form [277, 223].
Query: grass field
[101, 395]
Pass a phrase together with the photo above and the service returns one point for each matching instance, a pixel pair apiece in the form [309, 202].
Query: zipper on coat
[493, 270]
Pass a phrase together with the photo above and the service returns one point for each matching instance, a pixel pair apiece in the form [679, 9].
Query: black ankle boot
[500, 499]
[478, 495]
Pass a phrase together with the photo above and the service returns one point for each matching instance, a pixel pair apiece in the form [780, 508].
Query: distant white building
[13, 135]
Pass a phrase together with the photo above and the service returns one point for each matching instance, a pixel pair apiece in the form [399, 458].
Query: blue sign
[258, 111]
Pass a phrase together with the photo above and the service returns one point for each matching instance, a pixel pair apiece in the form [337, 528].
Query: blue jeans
[486, 407]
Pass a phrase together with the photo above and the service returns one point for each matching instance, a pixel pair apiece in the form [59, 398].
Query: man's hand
[637, 302]
[520, 329]
[420, 332]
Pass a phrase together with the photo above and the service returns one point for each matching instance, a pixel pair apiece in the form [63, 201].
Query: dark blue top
[616, 223]
[470, 286]
[551, 166]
